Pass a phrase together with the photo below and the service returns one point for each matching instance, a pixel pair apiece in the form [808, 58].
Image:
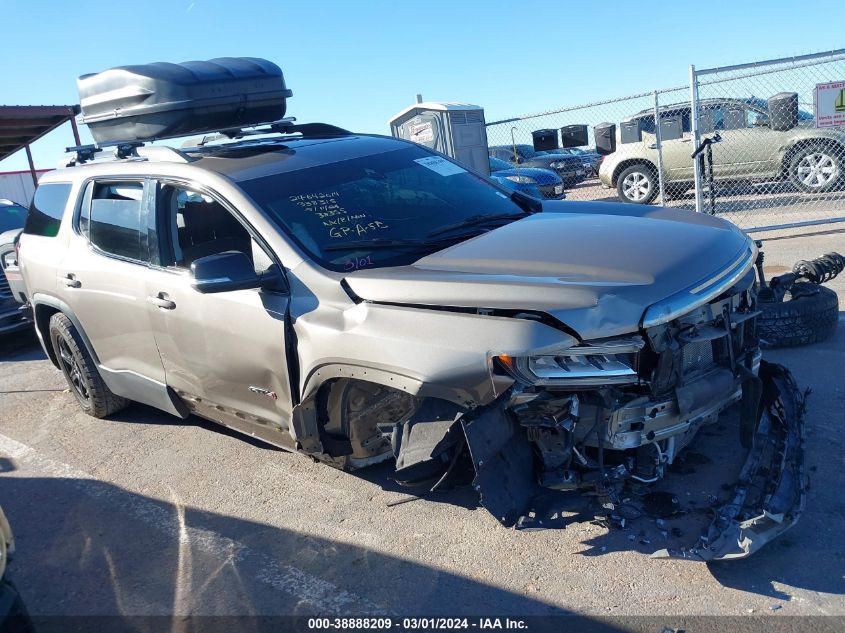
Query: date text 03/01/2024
[416, 624]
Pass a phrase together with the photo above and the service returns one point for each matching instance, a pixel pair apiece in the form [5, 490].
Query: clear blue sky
[355, 63]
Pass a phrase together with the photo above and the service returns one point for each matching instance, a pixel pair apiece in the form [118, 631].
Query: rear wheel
[80, 371]
[816, 168]
[637, 184]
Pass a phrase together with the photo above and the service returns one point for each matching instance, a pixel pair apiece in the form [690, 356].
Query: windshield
[387, 209]
[12, 217]
[526, 151]
[497, 164]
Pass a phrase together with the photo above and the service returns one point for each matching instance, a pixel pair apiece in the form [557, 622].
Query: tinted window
[647, 121]
[349, 214]
[525, 151]
[647, 124]
[502, 154]
[11, 217]
[47, 208]
[199, 226]
[114, 222]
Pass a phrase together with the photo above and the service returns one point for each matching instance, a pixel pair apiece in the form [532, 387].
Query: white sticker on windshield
[440, 165]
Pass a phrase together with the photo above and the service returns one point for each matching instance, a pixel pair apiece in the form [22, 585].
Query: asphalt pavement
[147, 514]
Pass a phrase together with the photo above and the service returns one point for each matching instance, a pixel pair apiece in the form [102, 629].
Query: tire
[807, 318]
[80, 371]
[817, 167]
[637, 184]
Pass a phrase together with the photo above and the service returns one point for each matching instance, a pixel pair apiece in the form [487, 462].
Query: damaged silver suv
[360, 298]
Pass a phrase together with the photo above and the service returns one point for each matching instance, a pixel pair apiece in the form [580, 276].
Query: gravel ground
[147, 514]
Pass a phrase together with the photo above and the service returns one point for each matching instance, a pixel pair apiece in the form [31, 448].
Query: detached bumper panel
[770, 493]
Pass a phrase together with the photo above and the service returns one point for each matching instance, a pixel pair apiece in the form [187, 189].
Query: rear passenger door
[102, 277]
[224, 353]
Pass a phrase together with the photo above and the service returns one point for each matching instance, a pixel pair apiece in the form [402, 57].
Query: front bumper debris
[767, 498]
[530, 450]
[770, 494]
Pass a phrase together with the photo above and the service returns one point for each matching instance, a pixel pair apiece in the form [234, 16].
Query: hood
[595, 272]
[540, 176]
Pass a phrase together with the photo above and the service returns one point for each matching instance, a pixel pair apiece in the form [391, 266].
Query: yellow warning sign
[830, 104]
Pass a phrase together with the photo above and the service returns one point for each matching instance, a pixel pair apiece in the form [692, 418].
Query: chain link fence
[773, 160]
[777, 161]
[511, 140]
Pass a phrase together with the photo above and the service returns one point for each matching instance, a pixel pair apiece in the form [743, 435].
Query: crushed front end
[612, 413]
[611, 410]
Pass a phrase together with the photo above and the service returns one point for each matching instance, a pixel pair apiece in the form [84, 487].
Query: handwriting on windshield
[356, 263]
[338, 221]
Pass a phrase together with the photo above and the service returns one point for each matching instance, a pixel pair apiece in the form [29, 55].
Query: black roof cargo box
[164, 100]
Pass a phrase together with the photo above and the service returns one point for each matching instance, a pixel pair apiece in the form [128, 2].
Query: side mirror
[224, 272]
[529, 203]
[761, 120]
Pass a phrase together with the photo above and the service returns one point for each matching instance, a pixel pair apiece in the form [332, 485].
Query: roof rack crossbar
[283, 126]
[128, 149]
[85, 153]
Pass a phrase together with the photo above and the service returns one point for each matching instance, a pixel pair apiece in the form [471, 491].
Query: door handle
[71, 281]
[161, 300]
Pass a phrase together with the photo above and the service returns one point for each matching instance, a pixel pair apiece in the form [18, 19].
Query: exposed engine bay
[599, 418]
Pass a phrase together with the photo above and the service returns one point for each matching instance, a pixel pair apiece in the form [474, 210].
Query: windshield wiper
[474, 220]
[399, 243]
[374, 243]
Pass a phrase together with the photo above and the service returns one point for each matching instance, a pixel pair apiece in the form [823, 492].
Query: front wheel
[637, 184]
[816, 168]
[80, 371]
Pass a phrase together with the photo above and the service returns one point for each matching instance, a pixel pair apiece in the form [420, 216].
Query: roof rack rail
[82, 154]
[282, 126]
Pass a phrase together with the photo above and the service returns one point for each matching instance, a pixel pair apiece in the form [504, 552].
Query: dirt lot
[147, 514]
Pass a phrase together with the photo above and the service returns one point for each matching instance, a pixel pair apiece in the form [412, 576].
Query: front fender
[427, 352]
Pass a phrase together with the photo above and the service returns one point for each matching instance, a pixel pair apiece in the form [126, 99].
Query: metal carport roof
[22, 125]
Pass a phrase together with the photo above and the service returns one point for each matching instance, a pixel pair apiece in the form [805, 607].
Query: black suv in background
[13, 315]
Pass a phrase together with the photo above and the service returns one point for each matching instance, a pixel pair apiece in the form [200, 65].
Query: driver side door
[224, 353]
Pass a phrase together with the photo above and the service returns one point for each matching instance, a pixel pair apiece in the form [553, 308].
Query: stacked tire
[808, 316]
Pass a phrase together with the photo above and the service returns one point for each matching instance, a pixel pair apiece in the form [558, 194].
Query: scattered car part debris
[811, 311]
[770, 494]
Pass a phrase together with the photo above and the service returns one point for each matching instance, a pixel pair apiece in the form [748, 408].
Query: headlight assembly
[523, 180]
[593, 364]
